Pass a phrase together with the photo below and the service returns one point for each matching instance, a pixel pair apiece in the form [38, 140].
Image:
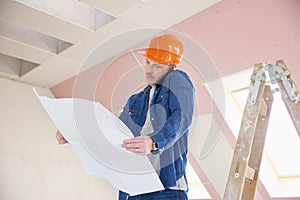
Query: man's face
[155, 71]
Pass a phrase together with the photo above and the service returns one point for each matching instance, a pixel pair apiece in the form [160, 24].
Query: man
[159, 118]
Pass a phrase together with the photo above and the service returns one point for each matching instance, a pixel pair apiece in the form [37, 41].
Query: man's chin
[150, 82]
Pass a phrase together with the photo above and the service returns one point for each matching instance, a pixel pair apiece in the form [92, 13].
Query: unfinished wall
[32, 165]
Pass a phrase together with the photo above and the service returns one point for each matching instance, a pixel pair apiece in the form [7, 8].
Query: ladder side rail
[239, 164]
[293, 106]
[258, 145]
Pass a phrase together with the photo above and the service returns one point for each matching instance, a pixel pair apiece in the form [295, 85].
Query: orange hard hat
[166, 49]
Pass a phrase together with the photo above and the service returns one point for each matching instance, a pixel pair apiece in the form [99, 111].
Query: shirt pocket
[163, 99]
[132, 115]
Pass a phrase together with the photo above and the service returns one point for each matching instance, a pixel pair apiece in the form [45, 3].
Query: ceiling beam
[43, 22]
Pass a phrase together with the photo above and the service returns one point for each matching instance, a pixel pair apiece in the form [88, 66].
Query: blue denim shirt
[171, 112]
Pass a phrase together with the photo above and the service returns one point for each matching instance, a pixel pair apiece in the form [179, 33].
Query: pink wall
[239, 33]
[235, 34]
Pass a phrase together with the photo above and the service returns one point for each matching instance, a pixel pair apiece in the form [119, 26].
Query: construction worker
[159, 117]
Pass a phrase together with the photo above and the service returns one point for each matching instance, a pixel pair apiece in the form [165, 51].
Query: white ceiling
[44, 42]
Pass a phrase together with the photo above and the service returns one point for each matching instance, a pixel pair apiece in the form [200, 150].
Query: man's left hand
[141, 145]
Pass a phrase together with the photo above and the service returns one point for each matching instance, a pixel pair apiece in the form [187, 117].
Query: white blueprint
[96, 135]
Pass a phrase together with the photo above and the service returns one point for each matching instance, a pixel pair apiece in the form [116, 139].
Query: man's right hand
[60, 138]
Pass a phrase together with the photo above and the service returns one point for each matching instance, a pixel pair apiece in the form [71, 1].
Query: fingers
[140, 151]
[60, 138]
[141, 145]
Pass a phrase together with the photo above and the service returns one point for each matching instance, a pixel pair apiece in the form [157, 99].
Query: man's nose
[148, 68]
